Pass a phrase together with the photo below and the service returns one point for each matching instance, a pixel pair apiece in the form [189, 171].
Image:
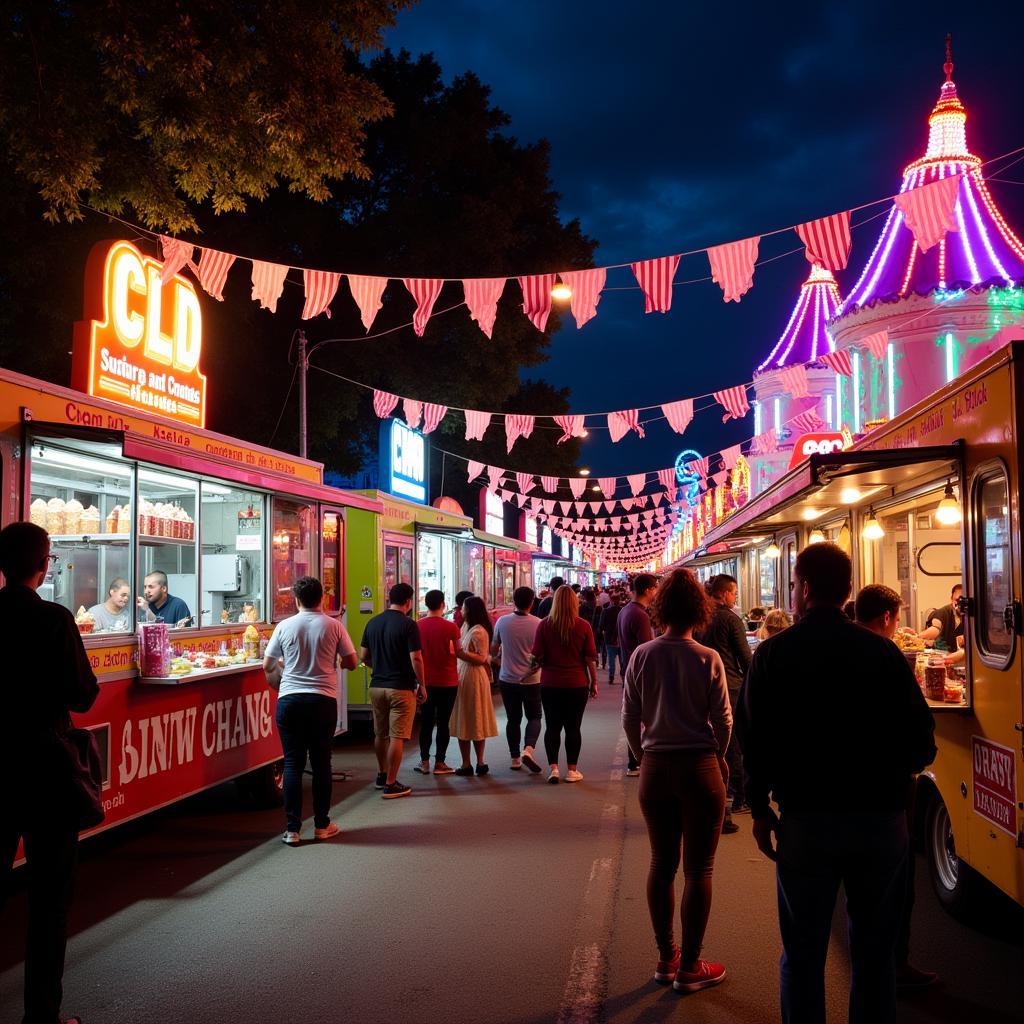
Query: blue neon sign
[688, 478]
[403, 461]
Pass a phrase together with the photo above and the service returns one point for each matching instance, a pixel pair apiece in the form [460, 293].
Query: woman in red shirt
[564, 649]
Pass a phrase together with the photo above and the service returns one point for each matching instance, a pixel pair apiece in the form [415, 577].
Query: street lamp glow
[561, 292]
[849, 496]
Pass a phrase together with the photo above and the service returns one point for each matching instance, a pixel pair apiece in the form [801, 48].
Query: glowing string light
[968, 190]
[855, 396]
[890, 357]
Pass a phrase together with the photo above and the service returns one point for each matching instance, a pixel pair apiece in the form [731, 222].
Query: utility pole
[303, 367]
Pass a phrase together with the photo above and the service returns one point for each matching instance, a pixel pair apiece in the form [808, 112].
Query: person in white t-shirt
[301, 664]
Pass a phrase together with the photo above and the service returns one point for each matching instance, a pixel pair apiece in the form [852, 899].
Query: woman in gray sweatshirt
[676, 716]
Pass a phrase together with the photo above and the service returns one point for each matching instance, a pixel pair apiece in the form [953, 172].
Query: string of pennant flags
[928, 211]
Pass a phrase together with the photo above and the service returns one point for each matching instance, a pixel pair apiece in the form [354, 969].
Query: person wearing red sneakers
[677, 718]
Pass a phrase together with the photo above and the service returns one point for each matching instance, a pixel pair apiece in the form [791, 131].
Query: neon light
[801, 341]
[839, 401]
[855, 397]
[890, 355]
[778, 413]
[968, 190]
[828, 411]
[950, 357]
[758, 429]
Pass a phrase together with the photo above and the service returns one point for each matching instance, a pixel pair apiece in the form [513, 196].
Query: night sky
[678, 126]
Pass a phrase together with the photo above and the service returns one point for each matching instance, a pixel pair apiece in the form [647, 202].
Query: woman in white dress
[473, 718]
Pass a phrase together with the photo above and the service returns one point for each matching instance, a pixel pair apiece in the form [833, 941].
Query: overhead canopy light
[850, 496]
[948, 513]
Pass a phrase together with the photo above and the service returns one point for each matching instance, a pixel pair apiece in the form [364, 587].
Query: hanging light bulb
[561, 292]
[872, 527]
[773, 550]
[948, 513]
[849, 495]
[816, 537]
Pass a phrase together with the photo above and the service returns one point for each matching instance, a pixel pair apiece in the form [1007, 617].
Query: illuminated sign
[688, 477]
[140, 341]
[822, 443]
[403, 461]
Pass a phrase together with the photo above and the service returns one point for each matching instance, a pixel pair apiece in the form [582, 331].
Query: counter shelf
[199, 674]
[114, 538]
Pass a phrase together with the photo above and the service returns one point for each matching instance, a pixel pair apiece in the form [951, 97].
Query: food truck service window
[767, 570]
[232, 525]
[292, 536]
[166, 577]
[436, 563]
[80, 494]
[994, 593]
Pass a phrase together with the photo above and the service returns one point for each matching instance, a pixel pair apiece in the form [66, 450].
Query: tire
[954, 882]
[265, 786]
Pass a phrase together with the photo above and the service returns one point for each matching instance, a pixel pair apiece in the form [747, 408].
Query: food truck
[134, 491]
[923, 503]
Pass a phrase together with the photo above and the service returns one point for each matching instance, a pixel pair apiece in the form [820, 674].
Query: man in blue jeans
[301, 664]
[839, 769]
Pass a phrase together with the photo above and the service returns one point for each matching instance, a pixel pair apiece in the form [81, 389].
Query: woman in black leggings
[564, 649]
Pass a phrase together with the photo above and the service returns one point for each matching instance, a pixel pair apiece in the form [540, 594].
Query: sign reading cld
[140, 342]
[403, 461]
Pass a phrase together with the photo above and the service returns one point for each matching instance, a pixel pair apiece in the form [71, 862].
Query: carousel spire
[805, 337]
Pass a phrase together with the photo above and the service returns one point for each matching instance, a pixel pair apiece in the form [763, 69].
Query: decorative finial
[948, 66]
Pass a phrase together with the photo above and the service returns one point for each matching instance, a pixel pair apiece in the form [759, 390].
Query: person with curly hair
[774, 622]
[677, 718]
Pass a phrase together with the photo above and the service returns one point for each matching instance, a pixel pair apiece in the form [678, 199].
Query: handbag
[79, 757]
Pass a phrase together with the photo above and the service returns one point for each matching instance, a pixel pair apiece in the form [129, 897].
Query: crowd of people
[713, 730]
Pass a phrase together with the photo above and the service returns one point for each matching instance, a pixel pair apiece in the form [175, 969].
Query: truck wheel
[953, 880]
[265, 786]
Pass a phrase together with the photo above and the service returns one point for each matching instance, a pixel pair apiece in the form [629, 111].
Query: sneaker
[440, 768]
[910, 978]
[632, 773]
[531, 763]
[326, 833]
[553, 775]
[665, 972]
[291, 838]
[573, 776]
[729, 827]
[517, 764]
[465, 770]
[396, 789]
[482, 769]
[381, 780]
[423, 768]
[706, 975]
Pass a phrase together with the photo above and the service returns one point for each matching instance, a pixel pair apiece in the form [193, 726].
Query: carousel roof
[983, 251]
[805, 337]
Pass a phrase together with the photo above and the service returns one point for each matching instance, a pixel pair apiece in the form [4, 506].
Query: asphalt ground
[493, 899]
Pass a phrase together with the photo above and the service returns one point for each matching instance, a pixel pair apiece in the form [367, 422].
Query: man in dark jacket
[544, 608]
[727, 635]
[46, 676]
[839, 767]
[608, 634]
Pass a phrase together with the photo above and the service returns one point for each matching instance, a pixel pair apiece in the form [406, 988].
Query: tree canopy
[146, 110]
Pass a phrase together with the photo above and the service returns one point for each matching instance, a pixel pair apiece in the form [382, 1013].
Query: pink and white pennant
[367, 293]
[667, 479]
[622, 422]
[494, 475]
[929, 210]
[517, 426]
[732, 267]
[679, 414]
[655, 280]
[268, 283]
[827, 240]
[765, 443]
[809, 422]
[877, 344]
[213, 272]
[473, 470]
[176, 254]
[384, 403]
[607, 485]
[526, 482]
[572, 426]
[586, 288]
[321, 287]
[637, 482]
[794, 381]
[731, 455]
[432, 416]
[537, 298]
[425, 291]
[482, 295]
[577, 485]
[549, 483]
[839, 361]
[734, 401]
[476, 424]
[412, 412]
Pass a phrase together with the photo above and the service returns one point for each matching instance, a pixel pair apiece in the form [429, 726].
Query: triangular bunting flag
[384, 403]
[517, 426]
[607, 485]
[839, 361]
[526, 482]
[425, 291]
[655, 280]
[929, 210]
[620, 423]
[473, 470]
[213, 272]
[732, 267]
[679, 414]
[549, 483]
[794, 381]
[482, 294]
[586, 288]
[176, 254]
[734, 401]
[637, 482]
[432, 416]
[572, 426]
[494, 474]
[730, 456]
[877, 344]
[827, 240]
[537, 298]
[321, 286]
[367, 292]
[476, 424]
[268, 283]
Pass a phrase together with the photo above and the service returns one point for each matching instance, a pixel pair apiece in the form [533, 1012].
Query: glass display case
[232, 528]
[292, 539]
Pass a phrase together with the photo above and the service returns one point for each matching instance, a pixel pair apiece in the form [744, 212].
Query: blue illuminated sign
[403, 461]
[688, 477]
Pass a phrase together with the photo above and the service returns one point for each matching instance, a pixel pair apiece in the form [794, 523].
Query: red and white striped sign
[732, 267]
[476, 424]
[734, 401]
[622, 422]
[655, 279]
[268, 283]
[482, 294]
[929, 210]
[384, 403]
[586, 288]
[321, 287]
[366, 291]
[877, 344]
[432, 416]
[839, 361]
[537, 298]
[213, 272]
[827, 240]
[425, 291]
